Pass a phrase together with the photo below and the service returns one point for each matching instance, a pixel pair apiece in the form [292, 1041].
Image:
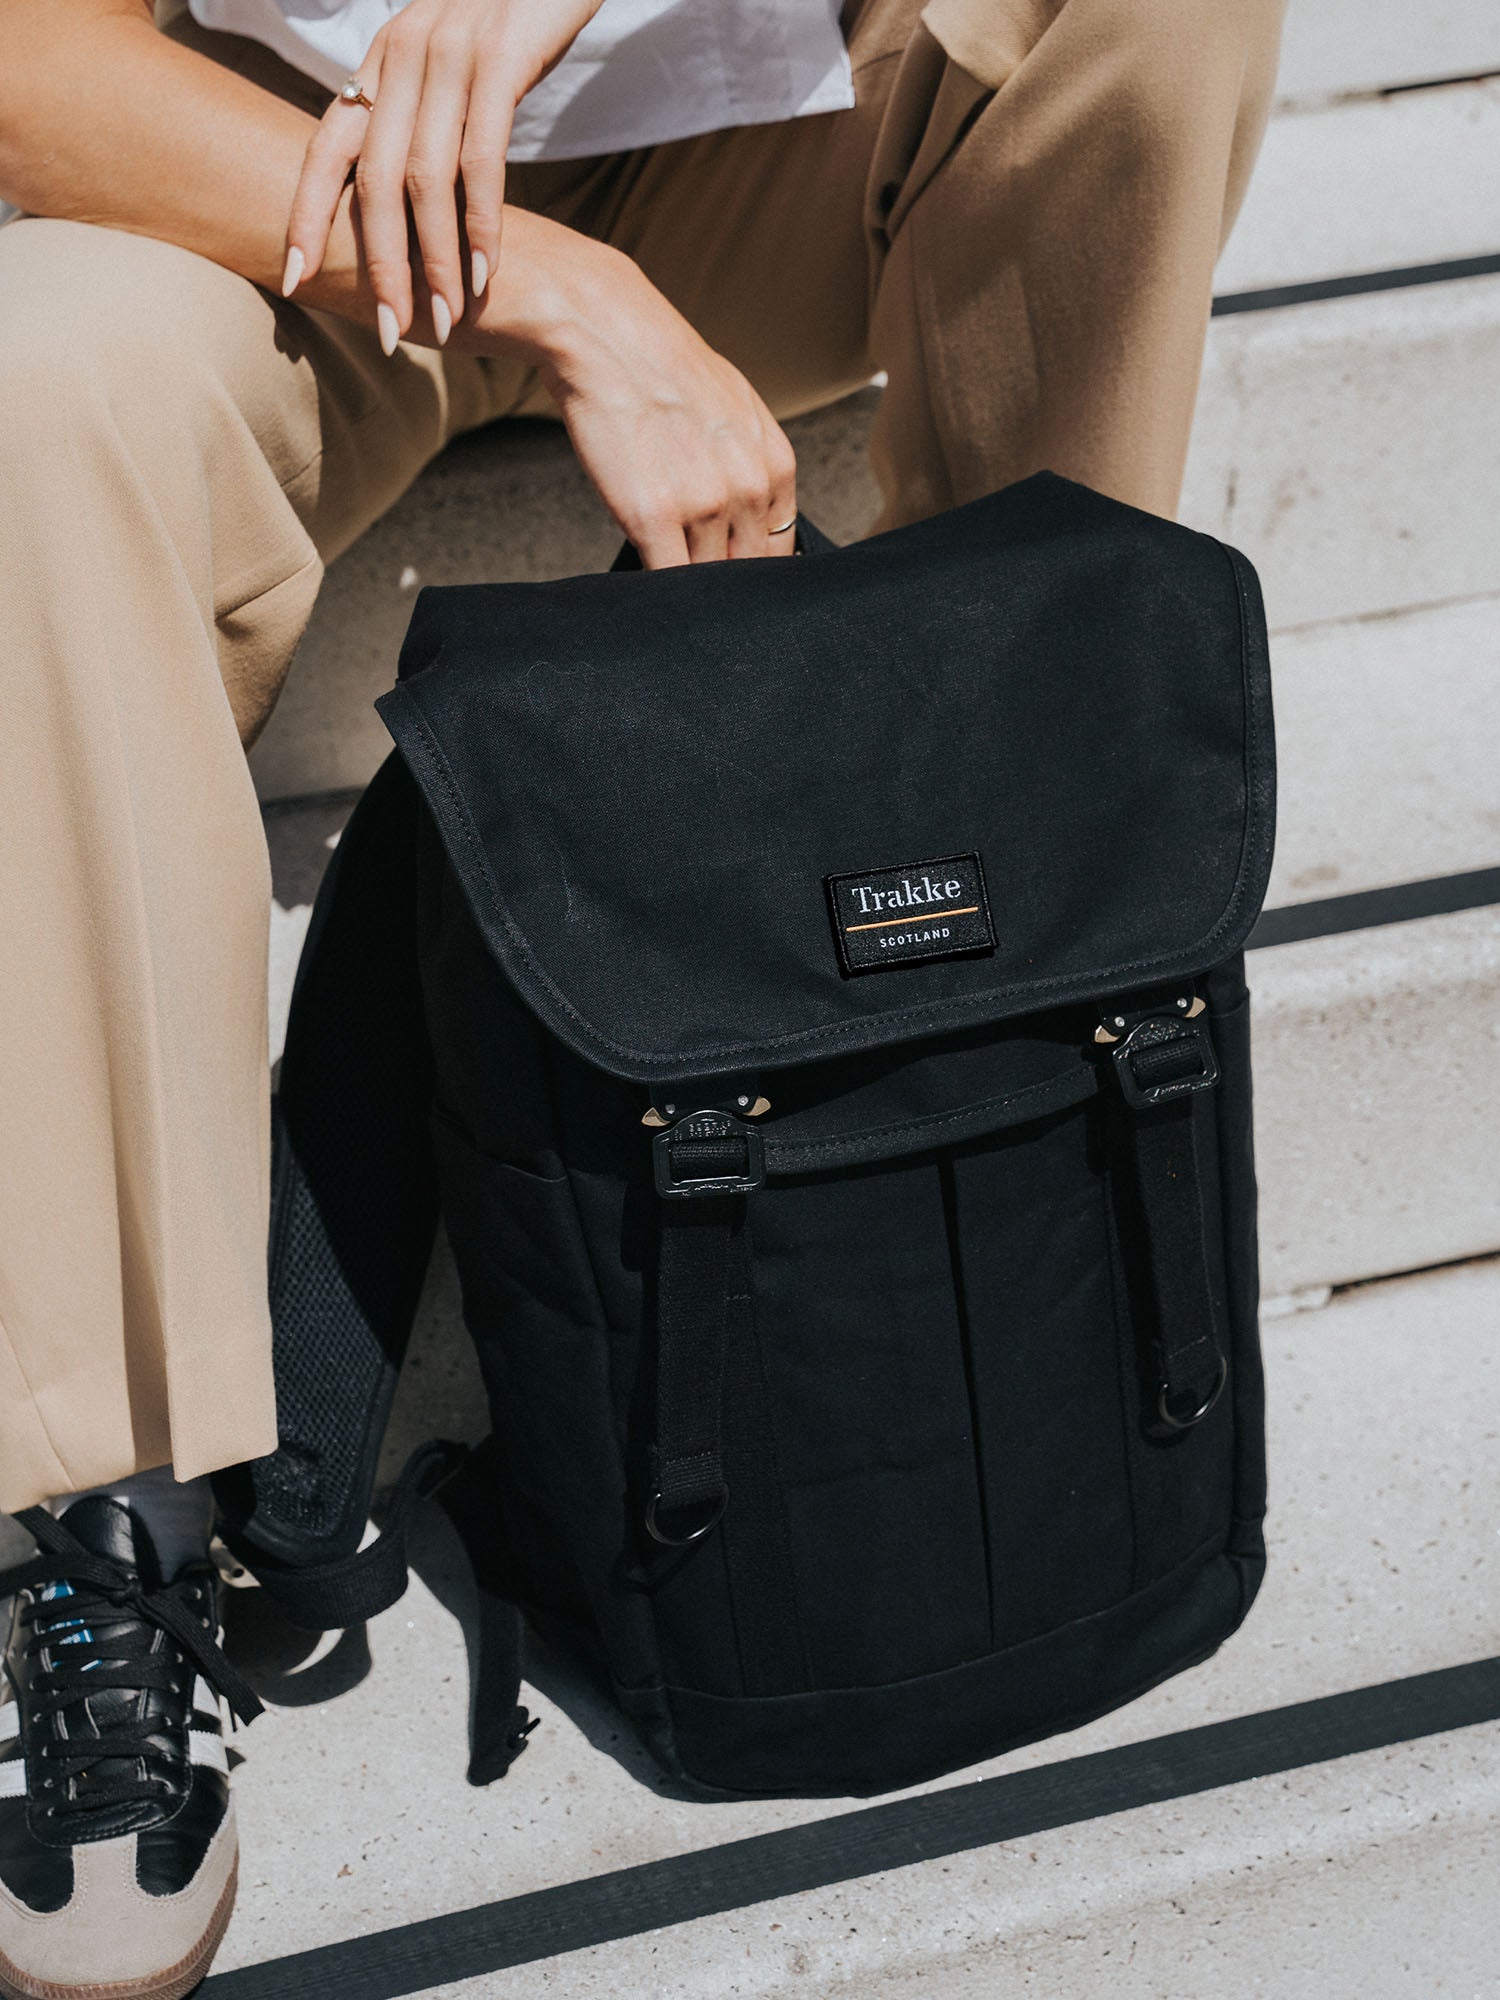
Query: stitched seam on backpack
[779, 1149]
[1212, 1545]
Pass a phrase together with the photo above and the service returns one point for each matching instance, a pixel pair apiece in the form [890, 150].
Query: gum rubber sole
[172, 1982]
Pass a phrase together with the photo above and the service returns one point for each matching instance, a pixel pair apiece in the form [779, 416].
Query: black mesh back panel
[354, 1205]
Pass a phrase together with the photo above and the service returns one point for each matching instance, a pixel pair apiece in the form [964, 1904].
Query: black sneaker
[117, 1839]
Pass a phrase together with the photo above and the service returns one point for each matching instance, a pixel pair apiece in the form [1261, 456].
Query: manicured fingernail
[291, 277]
[442, 319]
[390, 332]
[481, 273]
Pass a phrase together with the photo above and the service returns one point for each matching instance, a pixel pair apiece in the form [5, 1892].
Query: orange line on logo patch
[886, 922]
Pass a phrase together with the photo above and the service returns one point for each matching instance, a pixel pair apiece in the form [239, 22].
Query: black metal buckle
[705, 1128]
[1158, 1032]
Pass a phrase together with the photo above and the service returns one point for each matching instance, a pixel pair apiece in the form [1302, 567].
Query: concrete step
[1351, 1881]
[1349, 446]
[1385, 731]
[1336, 46]
[1426, 168]
[354, 1813]
[1377, 1076]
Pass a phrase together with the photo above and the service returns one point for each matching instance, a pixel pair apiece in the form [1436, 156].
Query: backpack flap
[727, 819]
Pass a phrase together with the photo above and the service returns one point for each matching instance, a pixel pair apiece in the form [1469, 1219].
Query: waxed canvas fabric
[612, 838]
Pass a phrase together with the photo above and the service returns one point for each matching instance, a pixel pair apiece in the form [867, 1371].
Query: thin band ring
[353, 92]
[785, 528]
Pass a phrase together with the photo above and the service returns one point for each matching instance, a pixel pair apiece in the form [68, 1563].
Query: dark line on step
[1438, 896]
[1437, 82]
[1357, 282]
[519, 1930]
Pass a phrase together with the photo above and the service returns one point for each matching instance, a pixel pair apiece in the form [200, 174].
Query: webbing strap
[715, 1456]
[1189, 1352]
[692, 1328]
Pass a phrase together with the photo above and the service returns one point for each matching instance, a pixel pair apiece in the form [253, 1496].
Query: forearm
[104, 120]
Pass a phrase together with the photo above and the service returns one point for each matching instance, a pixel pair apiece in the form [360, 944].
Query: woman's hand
[683, 452]
[444, 77]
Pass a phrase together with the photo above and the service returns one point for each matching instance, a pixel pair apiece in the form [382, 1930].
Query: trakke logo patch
[885, 917]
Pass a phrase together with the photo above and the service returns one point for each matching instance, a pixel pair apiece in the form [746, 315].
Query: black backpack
[813, 993]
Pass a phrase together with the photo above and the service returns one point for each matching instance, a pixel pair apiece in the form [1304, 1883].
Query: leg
[1045, 262]
[182, 455]
[1018, 222]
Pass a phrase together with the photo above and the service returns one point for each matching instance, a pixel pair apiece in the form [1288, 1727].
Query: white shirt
[642, 71]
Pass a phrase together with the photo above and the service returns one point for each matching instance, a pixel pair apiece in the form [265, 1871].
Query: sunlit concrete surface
[1425, 163]
[1377, 1099]
[1386, 734]
[1361, 1880]
[1349, 448]
[1338, 47]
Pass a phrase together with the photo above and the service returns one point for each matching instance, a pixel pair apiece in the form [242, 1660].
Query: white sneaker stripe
[204, 1698]
[10, 1724]
[13, 1779]
[202, 1749]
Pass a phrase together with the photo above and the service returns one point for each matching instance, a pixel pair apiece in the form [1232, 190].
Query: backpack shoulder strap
[330, 1596]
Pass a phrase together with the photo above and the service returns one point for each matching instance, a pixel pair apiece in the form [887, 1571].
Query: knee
[1146, 52]
[112, 327]
[1184, 92]
[36, 338]
[1174, 64]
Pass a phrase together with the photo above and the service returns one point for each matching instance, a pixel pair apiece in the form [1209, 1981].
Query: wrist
[553, 297]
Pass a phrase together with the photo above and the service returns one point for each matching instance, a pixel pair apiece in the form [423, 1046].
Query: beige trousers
[1017, 222]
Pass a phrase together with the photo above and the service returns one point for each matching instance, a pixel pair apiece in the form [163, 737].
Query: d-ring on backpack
[817, 987]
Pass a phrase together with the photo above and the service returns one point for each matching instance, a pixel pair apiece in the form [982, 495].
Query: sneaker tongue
[107, 1527]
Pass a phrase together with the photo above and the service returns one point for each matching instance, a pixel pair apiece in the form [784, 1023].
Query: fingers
[432, 177]
[660, 540]
[482, 162]
[748, 517]
[679, 447]
[331, 152]
[380, 177]
[708, 536]
[781, 462]
[764, 495]
[443, 107]
[740, 499]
